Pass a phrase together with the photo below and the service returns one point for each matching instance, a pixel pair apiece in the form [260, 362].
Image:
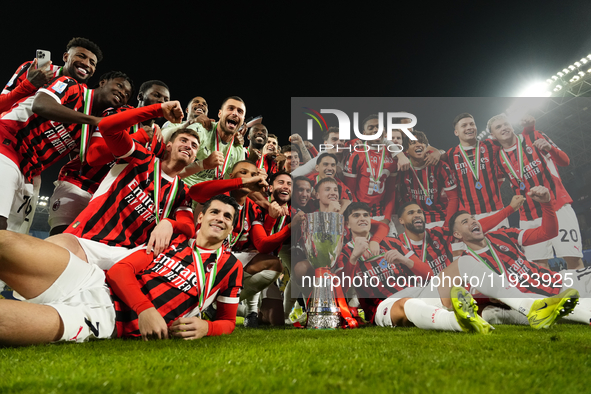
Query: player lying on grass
[500, 252]
[426, 305]
[66, 299]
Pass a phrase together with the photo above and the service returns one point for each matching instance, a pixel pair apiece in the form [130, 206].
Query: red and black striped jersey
[22, 72]
[274, 226]
[533, 278]
[121, 212]
[250, 215]
[486, 197]
[434, 178]
[386, 275]
[269, 163]
[34, 143]
[99, 159]
[438, 251]
[360, 177]
[539, 170]
[170, 283]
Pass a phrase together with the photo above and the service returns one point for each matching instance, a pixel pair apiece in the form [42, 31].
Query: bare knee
[70, 242]
[397, 314]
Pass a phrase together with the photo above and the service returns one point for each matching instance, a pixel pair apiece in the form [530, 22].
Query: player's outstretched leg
[465, 310]
[546, 311]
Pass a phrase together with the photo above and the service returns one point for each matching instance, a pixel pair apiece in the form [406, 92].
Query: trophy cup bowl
[323, 242]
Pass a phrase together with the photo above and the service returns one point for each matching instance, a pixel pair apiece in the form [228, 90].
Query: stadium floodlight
[577, 64]
[557, 88]
[554, 78]
[537, 89]
[571, 67]
[565, 70]
[560, 74]
[584, 60]
[589, 57]
[581, 73]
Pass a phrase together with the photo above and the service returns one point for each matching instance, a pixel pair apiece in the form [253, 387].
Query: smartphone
[43, 57]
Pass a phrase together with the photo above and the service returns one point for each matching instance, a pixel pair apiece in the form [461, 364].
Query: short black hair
[148, 84]
[275, 175]
[305, 179]
[241, 162]
[226, 200]
[421, 137]
[454, 217]
[370, 117]
[86, 44]
[332, 129]
[354, 206]
[402, 208]
[232, 98]
[117, 74]
[326, 154]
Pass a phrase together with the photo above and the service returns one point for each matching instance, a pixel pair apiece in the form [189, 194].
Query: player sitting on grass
[67, 299]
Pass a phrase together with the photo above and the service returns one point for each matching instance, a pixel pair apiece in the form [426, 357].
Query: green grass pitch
[368, 360]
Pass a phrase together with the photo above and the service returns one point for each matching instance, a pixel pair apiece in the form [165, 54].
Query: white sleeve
[305, 169]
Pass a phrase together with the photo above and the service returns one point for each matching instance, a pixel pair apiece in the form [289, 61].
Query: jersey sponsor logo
[59, 137]
[176, 273]
[140, 201]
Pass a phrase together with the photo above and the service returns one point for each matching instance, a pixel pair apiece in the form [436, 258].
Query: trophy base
[323, 321]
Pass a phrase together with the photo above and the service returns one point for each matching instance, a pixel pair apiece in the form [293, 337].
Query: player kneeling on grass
[67, 299]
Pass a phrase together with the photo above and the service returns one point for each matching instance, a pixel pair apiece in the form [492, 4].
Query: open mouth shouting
[232, 123]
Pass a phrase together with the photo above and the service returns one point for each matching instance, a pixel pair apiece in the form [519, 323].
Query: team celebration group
[173, 231]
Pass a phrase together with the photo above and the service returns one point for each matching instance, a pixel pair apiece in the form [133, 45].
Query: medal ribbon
[475, 172]
[218, 142]
[381, 167]
[494, 254]
[157, 190]
[85, 134]
[204, 281]
[409, 246]
[519, 158]
[235, 239]
[425, 191]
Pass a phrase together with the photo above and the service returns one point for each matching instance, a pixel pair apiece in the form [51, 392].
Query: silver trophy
[323, 241]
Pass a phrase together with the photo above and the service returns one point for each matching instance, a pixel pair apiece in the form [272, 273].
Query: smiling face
[271, 146]
[231, 116]
[465, 130]
[502, 130]
[359, 222]
[197, 106]
[281, 189]
[258, 136]
[217, 221]
[327, 192]
[327, 167]
[413, 219]
[116, 92]
[303, 192]
[293, 160]
[183, 148]
[416, 150]
[467, 229]
[397, 137]
[79, 63]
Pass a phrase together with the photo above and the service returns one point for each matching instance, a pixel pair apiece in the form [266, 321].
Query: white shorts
[566, 244]
[105, 256]
[578, 279]
[16, 197]
[428, 294]
[245, 257]
[81, 298]
[66, 202]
